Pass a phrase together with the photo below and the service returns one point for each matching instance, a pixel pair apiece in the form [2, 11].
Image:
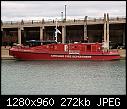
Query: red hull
[46, 56]
[63, 52]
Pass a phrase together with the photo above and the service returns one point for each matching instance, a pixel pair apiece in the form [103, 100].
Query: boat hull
[46, 56]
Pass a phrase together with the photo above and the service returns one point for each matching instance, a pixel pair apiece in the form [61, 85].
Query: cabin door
[65, 48]
[88, 48]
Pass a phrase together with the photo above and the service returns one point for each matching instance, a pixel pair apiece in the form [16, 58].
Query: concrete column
[5, 33]
[25, 35]
[107, 31]
[19, 35]
[104, 28]
[45, 35]
[63, 34]
[85, 28]
[124, 36]
[41, 33]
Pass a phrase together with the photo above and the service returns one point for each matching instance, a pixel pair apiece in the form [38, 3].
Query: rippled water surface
[63, 77]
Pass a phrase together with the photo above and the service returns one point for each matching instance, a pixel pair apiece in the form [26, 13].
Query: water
[63, 77]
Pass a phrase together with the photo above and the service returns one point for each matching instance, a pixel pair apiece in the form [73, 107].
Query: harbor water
[63, 77]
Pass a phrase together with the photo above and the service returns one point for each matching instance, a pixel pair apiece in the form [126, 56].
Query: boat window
[75, 47]
[38, 42]
[32, 44]
[88, 47]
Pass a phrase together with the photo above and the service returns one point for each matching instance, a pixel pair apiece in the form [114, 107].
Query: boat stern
[115, 54]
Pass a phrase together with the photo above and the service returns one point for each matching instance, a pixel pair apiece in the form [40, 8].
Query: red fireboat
[53, 50]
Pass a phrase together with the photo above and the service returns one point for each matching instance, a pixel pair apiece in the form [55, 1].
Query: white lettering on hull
[74, 51]
[69, 56]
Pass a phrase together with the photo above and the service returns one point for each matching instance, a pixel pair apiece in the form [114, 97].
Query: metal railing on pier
[50, 21]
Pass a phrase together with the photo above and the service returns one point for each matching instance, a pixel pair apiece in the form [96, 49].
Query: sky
[37, 10]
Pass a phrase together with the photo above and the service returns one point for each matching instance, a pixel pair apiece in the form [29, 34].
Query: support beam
[19, 35]
[22, 28]
[45, 35]
[107, 31]
[104, 28]
[124, 36]
[85, 28]
[25, 35]
[41, 33]
[4, 33]
[63, 34]
[65, 12]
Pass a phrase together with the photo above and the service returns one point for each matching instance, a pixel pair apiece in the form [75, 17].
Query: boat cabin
[73, 47]
[86, 47]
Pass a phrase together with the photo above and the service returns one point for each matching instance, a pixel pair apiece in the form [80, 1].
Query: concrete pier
[107, 31]
[41, 33]
[19, 35]
[84, 24]
[85, 28]
[104, 28]
[5, 53]
[63, 34]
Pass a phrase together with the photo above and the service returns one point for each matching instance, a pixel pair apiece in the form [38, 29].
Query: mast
[56, 31]
[105, 30]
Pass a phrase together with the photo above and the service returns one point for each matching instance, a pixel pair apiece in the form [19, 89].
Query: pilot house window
[88, 47]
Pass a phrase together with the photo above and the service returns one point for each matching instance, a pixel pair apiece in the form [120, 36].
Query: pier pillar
[41, 33]
[104, 28]
[107, 31]
[1, 29]
[45, 36]
[124, 36]
[63, 34]
[25, 35]
[19, 35]
[5, 33]
[85, 28]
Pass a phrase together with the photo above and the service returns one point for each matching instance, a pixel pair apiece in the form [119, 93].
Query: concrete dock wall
[5, 53]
